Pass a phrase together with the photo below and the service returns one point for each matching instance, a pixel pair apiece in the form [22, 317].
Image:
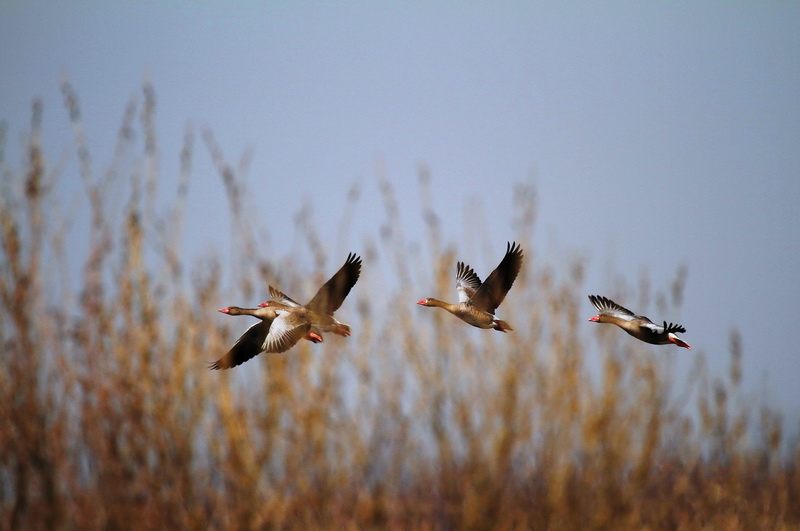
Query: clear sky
[656, 133]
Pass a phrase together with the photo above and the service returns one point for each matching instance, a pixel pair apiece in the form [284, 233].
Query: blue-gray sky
[656, 133]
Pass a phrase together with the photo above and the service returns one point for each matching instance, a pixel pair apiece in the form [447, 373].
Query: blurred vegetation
[111, 419]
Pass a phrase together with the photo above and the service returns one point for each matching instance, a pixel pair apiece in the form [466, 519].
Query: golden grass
[111, 419]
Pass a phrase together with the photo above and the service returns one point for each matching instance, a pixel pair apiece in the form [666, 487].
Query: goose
[329, 298]
[278, 331]
[638, 326]
[478, 301]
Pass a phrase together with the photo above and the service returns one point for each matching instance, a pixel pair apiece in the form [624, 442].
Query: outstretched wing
[286, 330]
[332, 294]
[246, 347]
[492, 292]
[281, 297]
[609, 307]
[673, 328]
[467, 282]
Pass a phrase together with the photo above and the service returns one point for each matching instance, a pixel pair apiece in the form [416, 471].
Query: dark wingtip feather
[602, 304]
[353, 258]
[598, 301]
[463, 270]
[514, 248]
[673, 328]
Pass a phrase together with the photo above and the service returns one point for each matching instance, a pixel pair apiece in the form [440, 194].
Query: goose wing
[281, 297]
[674, 328]
[606, 306]
[248, 346]
[286, 330]
[662, 328]
[467, 282]
[332, 294]
[492, 292]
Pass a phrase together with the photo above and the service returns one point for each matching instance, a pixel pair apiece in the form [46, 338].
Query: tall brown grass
[111, 419]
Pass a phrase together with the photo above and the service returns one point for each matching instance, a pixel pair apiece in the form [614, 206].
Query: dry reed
[112, 421]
